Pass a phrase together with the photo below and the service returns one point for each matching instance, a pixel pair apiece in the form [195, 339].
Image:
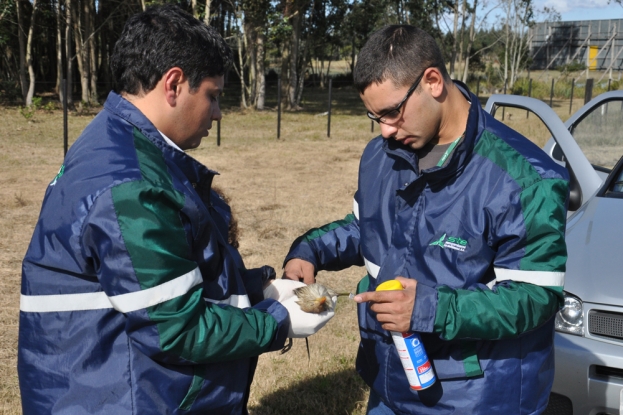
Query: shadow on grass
[340, 393]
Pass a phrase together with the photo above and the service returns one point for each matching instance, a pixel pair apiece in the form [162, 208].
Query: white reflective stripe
[542, 278]
[240, 301]
[356, 208]
[129, 302]
[124, 303]
[63, 302]
[372, 268]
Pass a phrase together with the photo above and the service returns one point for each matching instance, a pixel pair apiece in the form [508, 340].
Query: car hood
[595, 255]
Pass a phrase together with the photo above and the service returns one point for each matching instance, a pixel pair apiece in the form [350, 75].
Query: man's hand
[393, 308]
[299, 270]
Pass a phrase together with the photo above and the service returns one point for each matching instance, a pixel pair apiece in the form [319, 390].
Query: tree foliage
[296, 39]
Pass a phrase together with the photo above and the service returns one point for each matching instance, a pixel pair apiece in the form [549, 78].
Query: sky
[583, 9]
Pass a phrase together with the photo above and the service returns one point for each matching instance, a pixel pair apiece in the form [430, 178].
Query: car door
[561, 145]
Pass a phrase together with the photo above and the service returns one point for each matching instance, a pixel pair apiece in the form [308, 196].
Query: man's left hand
[393, 308]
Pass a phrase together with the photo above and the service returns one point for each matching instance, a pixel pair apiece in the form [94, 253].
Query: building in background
[596, 44]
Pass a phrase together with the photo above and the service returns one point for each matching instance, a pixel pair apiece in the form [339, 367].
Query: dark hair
[163, 37]
[399, 53]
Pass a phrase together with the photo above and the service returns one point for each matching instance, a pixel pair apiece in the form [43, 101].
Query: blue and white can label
[414, 360]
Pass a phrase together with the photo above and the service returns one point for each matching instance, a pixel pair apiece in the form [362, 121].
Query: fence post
[571, 98]
[588, 90]
[218, 133]
[551, 94]
[371, 126]
[329, 112]
[478, 87]
[504, 108]
[278, 107]
[65, 132]
[529, 91]
[609, 82]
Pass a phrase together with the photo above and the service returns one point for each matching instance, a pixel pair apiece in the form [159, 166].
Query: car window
[526, 123]
[599, 133]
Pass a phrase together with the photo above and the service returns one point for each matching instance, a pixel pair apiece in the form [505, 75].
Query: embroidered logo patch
[450, 242]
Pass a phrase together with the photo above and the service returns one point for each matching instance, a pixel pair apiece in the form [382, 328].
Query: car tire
[558, 405]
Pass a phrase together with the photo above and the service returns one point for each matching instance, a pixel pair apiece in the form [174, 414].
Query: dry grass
[277, 189]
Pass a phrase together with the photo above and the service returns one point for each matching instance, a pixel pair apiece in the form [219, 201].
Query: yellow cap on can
[391, 285]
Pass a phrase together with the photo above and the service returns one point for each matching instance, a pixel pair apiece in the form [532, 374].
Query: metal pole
[371, 126]
[278, 108]
[65, 133]
[609, 82]
[478, 88]
[571, 98]
[551, 94]
[329, 112]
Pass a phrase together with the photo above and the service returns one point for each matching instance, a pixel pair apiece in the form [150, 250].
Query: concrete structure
[598, 44]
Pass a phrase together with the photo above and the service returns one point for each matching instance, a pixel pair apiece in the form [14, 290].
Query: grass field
[277, 188]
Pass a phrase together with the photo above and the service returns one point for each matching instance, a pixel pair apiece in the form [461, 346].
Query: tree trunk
[68, 53]
[462, 34]
[472, 35]
[59, 52]
[31, 70]
[243, 87]
[294, 54]
[92, 53]
[22, 49]
[81, 54]
[455, 37]
[193, 6]
[206, 18]
[260, 79]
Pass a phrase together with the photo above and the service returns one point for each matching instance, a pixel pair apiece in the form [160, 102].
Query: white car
[589, 329]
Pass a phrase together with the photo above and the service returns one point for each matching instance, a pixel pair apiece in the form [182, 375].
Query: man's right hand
[299, 270]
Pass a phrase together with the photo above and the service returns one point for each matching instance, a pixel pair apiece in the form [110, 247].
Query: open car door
[562, 147]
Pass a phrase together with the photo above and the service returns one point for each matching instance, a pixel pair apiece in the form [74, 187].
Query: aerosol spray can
[414, 360]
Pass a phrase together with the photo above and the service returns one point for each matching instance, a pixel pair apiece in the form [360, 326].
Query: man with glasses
[470, 217]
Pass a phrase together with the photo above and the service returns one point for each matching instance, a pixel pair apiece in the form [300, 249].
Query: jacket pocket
[457, 361]
[199, 375]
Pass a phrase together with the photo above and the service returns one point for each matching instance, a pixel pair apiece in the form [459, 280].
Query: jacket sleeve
[136, 239]
[332, 247]
[529, 274]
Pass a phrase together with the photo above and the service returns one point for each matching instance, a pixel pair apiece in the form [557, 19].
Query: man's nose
[388, 131]
[216, 112]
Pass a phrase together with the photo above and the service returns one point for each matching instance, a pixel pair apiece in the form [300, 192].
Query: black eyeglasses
[393, 115]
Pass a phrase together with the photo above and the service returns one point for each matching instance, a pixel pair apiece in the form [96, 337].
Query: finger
[380, 296]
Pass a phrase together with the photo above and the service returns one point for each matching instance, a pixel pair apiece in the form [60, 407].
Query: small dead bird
[316, 298]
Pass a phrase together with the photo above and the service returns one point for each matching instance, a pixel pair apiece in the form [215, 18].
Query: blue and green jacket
[132, 301]
[484, 238]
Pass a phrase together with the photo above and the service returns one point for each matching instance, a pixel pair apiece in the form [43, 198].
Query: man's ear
[173, 78]
[433, 81]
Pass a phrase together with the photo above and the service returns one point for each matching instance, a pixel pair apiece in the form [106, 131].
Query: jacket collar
[192, 169]
[460, 155]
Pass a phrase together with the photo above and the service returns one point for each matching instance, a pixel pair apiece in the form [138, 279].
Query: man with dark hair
[133, 301]
[469, 216]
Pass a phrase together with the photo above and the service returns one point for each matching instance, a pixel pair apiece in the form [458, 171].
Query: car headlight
[570, 319]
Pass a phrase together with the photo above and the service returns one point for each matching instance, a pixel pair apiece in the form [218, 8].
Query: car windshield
[600, 134]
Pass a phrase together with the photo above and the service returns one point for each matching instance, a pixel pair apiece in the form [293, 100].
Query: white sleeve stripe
[240, 301]
[542, 278]
[372, 268]
[124, 303]
[356, 208]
